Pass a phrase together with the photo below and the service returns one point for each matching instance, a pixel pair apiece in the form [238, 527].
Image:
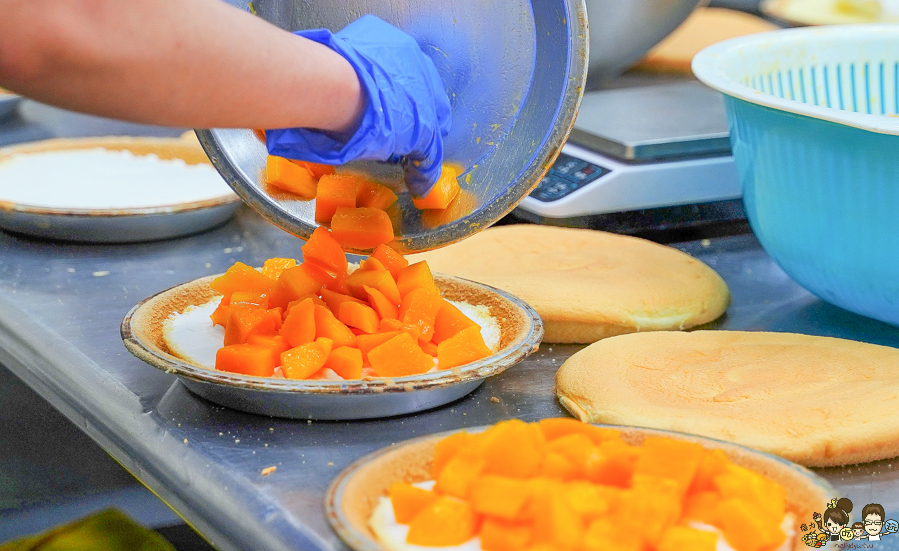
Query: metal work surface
[60, 310]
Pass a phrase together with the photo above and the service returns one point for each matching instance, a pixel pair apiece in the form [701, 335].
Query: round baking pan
[521, 331]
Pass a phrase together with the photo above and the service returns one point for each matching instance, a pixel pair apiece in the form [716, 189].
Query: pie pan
[118, 225]
[354, 493]
[521, 331]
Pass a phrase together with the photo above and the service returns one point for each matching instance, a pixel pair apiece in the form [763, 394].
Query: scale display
[566, 176]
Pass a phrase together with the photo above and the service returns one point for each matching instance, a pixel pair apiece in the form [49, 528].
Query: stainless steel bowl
[515, 70]
[621, 32]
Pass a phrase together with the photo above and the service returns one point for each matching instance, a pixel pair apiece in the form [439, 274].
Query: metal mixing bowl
[515, 70]
[622, 31]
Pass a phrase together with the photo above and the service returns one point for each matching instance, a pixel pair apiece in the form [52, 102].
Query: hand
[407, 111]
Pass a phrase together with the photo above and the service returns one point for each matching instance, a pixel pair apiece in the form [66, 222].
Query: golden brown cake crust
[817, 401]
[585, 284]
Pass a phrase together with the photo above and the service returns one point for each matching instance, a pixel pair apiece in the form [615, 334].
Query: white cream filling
[392, 535]
[102, 179]
[191, 336]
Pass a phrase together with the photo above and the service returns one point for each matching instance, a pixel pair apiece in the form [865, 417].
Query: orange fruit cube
[376, 279]
[373, 195]
[324, 250]
[249, 298]
[442, 194]
[498, 535]
[415, 276]
[449, 321]
[713, 463]
[293, 284]
[458, 475]
[329, 327]
[390, 259]
[408, 501]
[398, 357]
[614, 465]
[678, 538]
[346, 361]
[318, 170]
[499, 496]
[562, 426]
[276, 342]
[241, 277]
[247, 359]
[419, 309]
[360, 316]
[389, 324]
[514, 449]
[446, 449]
[465, 347]
[244, 321]
[334, 191]
[283, 174]
[443, 522]
[220, 315]
[361, 228]
[304, 360]
[299, 326]
[745, 529]
[382, 305]
[669, 458]
[273, 267]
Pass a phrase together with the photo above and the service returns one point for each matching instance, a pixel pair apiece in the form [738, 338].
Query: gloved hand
[407, 112]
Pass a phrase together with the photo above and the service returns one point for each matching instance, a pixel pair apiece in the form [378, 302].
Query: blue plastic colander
[814, 126]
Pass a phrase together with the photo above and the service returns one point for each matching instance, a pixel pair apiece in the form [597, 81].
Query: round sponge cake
[586, 284]
[817, 401]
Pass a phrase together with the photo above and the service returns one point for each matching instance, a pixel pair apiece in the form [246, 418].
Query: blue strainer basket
[814, 127]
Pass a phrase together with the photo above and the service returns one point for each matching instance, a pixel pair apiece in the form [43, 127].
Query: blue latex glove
[407, 112]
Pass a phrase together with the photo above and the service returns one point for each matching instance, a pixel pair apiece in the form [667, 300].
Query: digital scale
[662, 149]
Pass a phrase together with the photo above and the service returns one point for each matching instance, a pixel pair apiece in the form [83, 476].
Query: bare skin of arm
[187, 63]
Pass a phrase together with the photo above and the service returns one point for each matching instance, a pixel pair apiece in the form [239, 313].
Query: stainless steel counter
[60, 309]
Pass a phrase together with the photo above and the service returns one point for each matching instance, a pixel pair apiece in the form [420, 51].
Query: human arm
[194, 63]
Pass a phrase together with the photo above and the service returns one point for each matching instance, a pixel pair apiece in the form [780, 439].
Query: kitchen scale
[661, 149]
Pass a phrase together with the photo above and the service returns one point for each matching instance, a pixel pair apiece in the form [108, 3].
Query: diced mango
[247, 359]
[415, 276]
[669, 458]
[713, 463]
[241, 277]
[513, 450]
[283, 174]
[360, 316]
[614, 465]
[346, 361]
[702, 506]
[361, 228]
[556, 522]
[680, 538]
[446, 449]
[325, 251]
[273, 267]
[499, 496]
[398, 357]
[444, 522]
[498, 535]
[244, 321]
[317, 169]
[248, 298]
[306, 359]
[220, 315]
[376, 279]
[463, 348]
[443, 192]
[745, 529]
[277, 343]
[408, 501]
[419, 309]
[299, 326]
[293, 284]
[329, 327]
[458, 475]
[558, 427]
[334, 191]
[388, 324]
[382, 305]
[373, 195]
[449, 321]
[391, 259]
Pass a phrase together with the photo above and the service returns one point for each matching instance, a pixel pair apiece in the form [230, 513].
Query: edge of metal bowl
[492, 365]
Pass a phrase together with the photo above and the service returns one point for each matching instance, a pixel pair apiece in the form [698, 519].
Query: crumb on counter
[269, 470]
